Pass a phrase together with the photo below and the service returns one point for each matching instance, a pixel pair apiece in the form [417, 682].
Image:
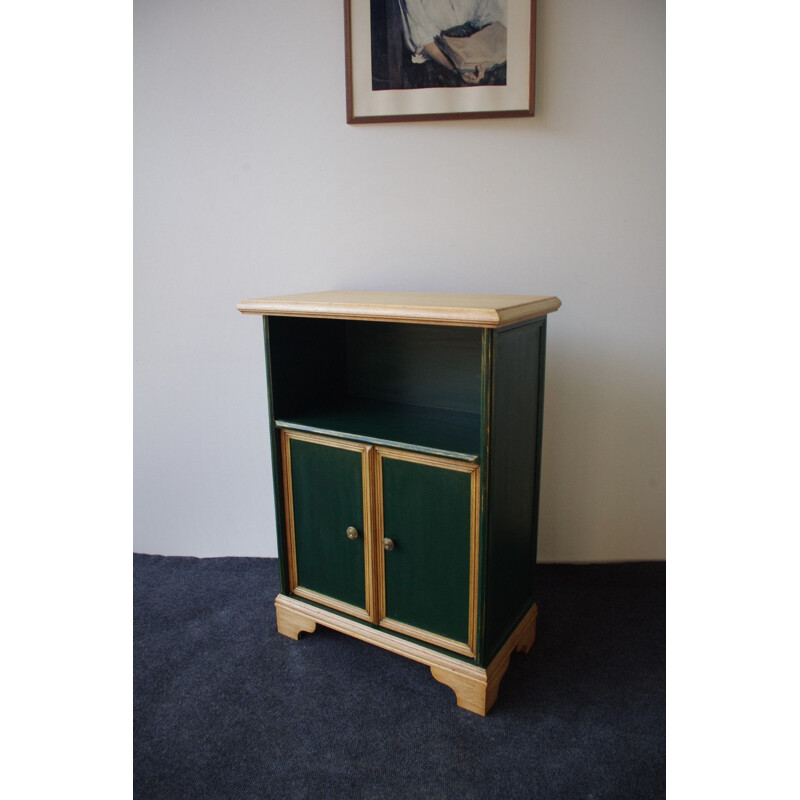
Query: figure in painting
[420, 44]
[428, 25]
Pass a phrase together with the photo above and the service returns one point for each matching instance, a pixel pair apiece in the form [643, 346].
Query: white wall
[248, 183]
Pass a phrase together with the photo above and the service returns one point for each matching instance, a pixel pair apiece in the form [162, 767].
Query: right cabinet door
[427, 519]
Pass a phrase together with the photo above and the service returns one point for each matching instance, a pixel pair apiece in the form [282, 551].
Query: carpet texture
[224, 707]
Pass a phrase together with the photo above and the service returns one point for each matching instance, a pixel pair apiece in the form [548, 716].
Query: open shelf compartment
[412, 386]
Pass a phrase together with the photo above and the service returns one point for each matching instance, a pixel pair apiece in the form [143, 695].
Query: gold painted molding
[472, 310]
[475, 688]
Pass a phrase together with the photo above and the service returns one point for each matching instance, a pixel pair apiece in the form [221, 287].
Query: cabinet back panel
[424, 365]
[308, 363]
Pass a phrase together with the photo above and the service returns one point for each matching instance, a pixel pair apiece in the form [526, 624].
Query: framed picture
[410, 60]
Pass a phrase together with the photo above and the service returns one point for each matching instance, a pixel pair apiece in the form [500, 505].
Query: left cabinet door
[328, 521]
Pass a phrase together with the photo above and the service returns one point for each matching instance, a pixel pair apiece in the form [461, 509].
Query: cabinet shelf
[437, 431]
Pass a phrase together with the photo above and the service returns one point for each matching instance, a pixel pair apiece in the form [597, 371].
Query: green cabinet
[406, 436]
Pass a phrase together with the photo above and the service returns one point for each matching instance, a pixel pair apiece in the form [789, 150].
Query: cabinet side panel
[277, 467]
[513, 479]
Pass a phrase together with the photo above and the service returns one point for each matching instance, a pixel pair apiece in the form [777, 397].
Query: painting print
[426, 44]
[418, 60]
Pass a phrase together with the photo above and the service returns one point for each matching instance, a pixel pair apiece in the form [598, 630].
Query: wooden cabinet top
[478, 310]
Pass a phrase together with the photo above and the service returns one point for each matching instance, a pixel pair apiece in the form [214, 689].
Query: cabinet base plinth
[475, 688]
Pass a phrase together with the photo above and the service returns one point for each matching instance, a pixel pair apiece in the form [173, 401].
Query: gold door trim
[379, 454]
[367, 613]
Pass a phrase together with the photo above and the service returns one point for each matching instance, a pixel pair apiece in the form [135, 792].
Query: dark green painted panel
[513, 477]
[487, 348]
[436, 430]
[423, 365]
[426, 514]
[308, 363]
[327, 498]
[277, 467]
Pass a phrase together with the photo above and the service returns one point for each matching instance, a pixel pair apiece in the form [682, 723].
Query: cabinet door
[329, 534]
[427, 517]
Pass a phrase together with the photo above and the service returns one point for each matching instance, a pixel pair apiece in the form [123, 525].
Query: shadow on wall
[603, 471]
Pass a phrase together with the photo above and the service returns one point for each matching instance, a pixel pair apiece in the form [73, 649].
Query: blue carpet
[224, 707]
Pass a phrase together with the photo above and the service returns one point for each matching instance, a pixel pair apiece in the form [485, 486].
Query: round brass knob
[352, 533]
[388, 544]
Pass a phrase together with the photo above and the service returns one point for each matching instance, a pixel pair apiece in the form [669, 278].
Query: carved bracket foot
[471, 691]
[476, 689]
[291, 623]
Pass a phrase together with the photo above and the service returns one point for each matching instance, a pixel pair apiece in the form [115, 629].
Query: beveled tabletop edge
[488, 311]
